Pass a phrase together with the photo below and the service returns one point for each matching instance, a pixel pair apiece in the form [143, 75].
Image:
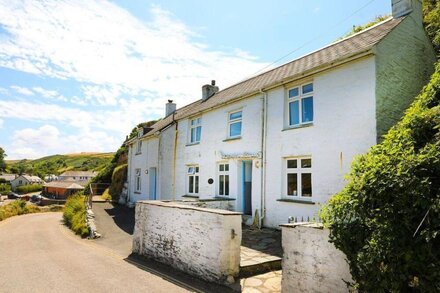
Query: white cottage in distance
[279, 144]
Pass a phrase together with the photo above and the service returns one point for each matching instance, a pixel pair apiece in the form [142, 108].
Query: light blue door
[153, 183]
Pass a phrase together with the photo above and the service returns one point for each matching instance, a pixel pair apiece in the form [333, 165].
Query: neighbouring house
[61, 189]
[25, 180]
[7, 178]
[50, 178]
[77, 176]
[279, 144]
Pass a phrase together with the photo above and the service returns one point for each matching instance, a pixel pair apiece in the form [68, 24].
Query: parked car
[36, 197]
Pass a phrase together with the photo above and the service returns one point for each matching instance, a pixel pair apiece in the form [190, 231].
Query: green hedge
[387, 219]
[29, 188]
[74, 214]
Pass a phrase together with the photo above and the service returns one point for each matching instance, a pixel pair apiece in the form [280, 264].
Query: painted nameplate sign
[244, 155]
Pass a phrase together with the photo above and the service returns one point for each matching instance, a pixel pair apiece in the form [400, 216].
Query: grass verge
[74, 215]
[15, 208]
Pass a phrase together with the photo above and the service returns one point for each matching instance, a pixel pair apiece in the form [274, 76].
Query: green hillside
[58, 164]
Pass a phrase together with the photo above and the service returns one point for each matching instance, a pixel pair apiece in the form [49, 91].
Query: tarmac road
[39, 254]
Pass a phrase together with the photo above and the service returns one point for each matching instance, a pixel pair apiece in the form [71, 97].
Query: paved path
[38, 254]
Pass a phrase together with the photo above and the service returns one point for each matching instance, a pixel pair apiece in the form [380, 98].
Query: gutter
[176, 134]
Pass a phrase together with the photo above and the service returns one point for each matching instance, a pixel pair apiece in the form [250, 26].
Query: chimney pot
[212, 82]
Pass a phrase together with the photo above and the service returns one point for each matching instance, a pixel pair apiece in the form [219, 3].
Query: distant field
[58, 164]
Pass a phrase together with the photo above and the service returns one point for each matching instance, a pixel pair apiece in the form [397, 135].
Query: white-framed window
[234, 123]
[298, 177]
[300, 105]
[193, 179]
[195, 127]
[137, 180]
[138, 147]
[223, 179]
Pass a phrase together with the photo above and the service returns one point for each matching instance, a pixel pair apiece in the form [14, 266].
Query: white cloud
[22, 90]
[32, 143]
[103, 45]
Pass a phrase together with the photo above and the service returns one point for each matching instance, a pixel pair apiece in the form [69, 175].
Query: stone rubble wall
[310, 262]
[210, 204]
[201, 242]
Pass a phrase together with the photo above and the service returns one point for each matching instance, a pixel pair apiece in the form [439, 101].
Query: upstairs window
[299, 177]
[195, 130]
[193, 180]
[139, 147]
[137, 180]
[223, 180]
[234, 124]
[300, 105]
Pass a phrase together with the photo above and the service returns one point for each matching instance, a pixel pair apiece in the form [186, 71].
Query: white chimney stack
[402, 8]
[208, 90]
[170, 108]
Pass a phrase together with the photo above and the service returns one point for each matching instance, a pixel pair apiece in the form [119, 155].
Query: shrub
[5, 188]
[15, 208]
[387, 219]
[74, 214]
[118, 178]
[106, 195]
[29, 188]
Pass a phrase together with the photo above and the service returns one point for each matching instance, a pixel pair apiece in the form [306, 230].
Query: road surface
[39, 254]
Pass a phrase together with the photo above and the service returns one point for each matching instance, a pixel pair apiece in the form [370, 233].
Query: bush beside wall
[29, 188]
[74, 214]
[5, 188]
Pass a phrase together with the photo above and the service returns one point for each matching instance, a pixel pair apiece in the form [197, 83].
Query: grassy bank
[29, 188]
[74, 215]
[16, 208]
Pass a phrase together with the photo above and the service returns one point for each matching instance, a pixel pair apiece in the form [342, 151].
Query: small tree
[2, 160]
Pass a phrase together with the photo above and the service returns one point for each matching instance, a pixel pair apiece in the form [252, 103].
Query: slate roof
[64, 184]
[338, 51]
[79, 173]
[34, 179]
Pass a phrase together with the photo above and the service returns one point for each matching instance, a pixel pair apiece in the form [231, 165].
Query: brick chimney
[170, 108]
[208, 90]
[402, 8]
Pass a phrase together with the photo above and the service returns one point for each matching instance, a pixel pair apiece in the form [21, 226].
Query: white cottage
[279, 144]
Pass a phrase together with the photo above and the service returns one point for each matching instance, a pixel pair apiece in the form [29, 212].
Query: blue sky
[77, 76]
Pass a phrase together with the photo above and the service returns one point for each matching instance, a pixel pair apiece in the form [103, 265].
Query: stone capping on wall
[176, 205]
[304, 224]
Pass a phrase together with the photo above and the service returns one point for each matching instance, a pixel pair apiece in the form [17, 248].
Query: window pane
[191, 184]
[196, 184]
[191, 170]
[308, 88]
[226, 167]
[221, 185]
[221, 167]
[294, 113]
[235, 129]
[306, 163]
[197, 169]
[193, 122]
[307, 110]
[226, 184]
[292, 164]
[293, 92]
[235, 115]
[198, 133]
[306, 188]
[292, 184]
[193, 134]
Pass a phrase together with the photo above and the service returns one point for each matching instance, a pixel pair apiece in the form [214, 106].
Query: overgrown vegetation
[74, 214]
[58, 164]
[2, 160]
[15, 208]
[387, 219]
[358, 28]
[29, 188]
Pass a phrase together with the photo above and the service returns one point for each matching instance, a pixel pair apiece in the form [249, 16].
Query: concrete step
[257, 267]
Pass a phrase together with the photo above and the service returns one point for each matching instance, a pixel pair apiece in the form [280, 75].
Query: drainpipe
[263, 151]
[176, 133]
[130, 165]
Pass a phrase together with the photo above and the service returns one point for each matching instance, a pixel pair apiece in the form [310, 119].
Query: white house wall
[166, 164]
[343, 126]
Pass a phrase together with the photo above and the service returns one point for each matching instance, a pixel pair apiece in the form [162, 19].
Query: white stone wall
[344, 126]
[310, 262]
[202, 242]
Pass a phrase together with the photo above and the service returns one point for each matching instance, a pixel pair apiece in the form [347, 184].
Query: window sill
[232, 138]
[296, 201]
[305, 125]
[137, 192]
[223, 198]
[138, 154]
[192, 143]
[190, 196]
